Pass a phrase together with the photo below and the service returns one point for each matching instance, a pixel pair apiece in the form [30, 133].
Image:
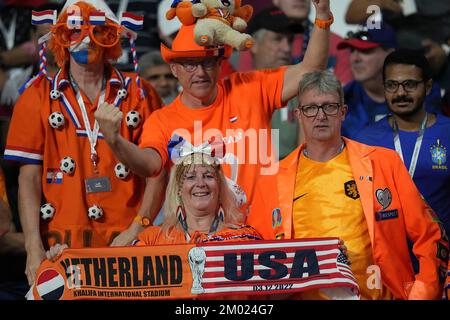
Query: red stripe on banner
[47, 275]
[219, 252]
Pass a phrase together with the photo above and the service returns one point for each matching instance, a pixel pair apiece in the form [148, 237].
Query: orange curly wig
[62, 55]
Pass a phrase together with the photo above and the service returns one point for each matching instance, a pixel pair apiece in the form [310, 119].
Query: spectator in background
[420, 138]
[298, 11]
[156, 71]
[365, 94]
[419, 24]
[273, 32]
[147, 39]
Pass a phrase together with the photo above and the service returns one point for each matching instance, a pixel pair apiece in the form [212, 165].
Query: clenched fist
[109, 119]
[322, 9]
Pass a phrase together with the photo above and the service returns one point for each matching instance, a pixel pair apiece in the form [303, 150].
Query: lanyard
[10, 33]
[417, 146]
[92, 134]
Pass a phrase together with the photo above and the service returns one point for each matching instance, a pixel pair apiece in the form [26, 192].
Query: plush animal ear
[244, 12]
[237, 4]
[170, 14]
[184, 13]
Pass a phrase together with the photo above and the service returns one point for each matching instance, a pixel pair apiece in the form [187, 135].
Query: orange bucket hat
[184, 46]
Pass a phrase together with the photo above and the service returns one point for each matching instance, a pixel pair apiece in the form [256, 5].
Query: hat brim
[169, 55]
[358, 44]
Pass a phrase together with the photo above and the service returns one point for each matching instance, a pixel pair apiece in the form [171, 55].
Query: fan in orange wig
[97, 52]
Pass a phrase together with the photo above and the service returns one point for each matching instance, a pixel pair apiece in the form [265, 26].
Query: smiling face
[322, 127]
[200, 190]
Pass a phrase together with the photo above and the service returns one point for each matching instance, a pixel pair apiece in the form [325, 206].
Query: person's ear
[428, 86]
[344, 110]
[173, 69]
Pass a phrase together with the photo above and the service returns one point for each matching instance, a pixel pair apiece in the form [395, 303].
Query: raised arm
[316, 55]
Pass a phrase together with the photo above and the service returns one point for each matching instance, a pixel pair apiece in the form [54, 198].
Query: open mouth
[201, 194]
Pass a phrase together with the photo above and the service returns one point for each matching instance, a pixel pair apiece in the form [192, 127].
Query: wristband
[143, 221]
[324, 24]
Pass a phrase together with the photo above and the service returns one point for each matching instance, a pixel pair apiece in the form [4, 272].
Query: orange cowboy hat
[184, 46]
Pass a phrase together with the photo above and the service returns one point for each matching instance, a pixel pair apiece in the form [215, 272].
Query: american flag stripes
[276, 267]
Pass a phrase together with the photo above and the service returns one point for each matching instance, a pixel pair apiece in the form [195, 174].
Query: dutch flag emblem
[132, 21]
[50, 285]
[97, 19]
[42, 17]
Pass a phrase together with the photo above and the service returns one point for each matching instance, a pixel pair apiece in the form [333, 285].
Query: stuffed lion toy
[218, 22]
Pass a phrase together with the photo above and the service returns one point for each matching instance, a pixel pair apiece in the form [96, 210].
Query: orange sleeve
[148, 236]
[26, 136]
[154, 135]
[430, 246]
[264, 88]
[3, 195]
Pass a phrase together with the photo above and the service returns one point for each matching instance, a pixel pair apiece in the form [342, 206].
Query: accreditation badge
[97, 184]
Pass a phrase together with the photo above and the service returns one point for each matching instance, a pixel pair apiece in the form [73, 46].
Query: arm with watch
[151, 204]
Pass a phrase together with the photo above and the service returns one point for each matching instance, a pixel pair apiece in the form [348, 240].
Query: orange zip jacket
[407, 216]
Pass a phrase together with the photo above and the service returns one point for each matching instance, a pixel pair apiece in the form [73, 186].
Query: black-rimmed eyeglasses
[311, 110]
[191, 66]
[408, 85]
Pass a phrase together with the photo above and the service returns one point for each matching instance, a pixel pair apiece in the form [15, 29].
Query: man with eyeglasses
[156, 71]
[365, 94]
[237, 109]
[336, 187]
[421, 138]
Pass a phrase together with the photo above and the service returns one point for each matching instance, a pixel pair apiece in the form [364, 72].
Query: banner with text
[195, 270]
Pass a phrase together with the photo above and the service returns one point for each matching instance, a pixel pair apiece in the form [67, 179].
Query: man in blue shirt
[421, 138]
[365, 94]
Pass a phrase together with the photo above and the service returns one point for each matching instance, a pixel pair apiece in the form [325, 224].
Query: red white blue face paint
[84, 52]
[80, 51]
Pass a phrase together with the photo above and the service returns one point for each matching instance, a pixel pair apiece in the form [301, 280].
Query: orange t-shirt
[31, 140]
[155, 236]
[241, 115]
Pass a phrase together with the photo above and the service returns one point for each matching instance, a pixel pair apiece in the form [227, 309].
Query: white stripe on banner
[23, 154]
[50, 285]
[270, 245]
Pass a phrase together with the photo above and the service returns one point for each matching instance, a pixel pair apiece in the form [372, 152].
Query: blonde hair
[232, 216]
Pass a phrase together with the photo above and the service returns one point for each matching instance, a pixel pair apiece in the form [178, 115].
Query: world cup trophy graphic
[197, 259]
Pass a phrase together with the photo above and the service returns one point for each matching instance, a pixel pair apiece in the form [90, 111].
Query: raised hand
[109, 119]
[322, 9]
